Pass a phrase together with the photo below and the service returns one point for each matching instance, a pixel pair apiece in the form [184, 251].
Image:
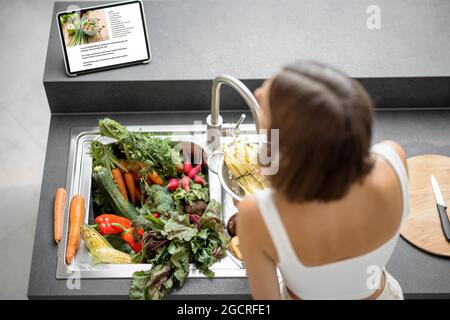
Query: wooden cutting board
[423, 226]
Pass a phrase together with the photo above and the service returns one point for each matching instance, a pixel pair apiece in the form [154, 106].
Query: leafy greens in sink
[170, 225]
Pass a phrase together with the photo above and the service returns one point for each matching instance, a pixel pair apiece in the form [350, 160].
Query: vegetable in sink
[241, 160]
[100, 249]
[173, 245]
[171, 223]
[105, 183]
[149, 153]
[160, 200]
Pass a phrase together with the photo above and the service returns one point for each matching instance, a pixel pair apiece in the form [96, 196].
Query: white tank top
[354, 278]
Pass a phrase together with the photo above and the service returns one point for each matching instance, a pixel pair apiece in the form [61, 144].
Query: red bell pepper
[104, 224]
[128, 237]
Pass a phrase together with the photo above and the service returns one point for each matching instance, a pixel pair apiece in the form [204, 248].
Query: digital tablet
[103, 37]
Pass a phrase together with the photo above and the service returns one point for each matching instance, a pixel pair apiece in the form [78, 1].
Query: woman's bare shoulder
[249, 219]
[383, 174]
[398, 149]
[385, 189]
[248, 210]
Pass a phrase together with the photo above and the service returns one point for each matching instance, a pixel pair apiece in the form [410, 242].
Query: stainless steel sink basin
[78, 181]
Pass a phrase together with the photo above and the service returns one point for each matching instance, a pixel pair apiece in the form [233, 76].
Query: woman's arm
[261, 269]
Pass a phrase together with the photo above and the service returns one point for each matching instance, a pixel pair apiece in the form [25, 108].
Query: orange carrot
[138, 193]
[138, 166]
[124, 165]
[149, 181]
[135, 176]
[118, 178]
[58, 211]
[154, 176]
[129, 181]
[76, 221]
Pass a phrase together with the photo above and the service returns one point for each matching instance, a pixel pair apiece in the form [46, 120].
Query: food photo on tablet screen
[87, 26]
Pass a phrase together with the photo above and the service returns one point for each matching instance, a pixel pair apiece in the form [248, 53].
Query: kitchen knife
[442, 208]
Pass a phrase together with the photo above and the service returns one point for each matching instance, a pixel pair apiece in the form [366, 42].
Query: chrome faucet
[214, 121]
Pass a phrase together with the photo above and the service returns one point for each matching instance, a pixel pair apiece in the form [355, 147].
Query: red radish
[155, 215]
[173, 184]
[194, 171]
[187, 167]
[185, 183]
[199, 180]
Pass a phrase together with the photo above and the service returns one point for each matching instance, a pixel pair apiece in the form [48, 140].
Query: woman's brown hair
[325, 129]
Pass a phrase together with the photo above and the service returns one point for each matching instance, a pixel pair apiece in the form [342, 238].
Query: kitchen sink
[79, 181]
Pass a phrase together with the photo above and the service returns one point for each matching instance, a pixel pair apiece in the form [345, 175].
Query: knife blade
[442, 208]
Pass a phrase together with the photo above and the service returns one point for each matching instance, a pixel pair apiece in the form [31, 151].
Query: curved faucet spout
[215, 120]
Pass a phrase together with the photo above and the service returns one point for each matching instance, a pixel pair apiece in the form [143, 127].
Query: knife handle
[445, 223]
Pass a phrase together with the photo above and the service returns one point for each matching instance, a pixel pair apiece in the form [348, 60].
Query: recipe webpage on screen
[104, 37]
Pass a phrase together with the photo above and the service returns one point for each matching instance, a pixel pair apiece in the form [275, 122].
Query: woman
[331, 219]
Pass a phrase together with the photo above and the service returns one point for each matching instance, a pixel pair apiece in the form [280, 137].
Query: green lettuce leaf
[153, 284]
[180, 259]
[172, 244]
[178, 227]
[196, 193]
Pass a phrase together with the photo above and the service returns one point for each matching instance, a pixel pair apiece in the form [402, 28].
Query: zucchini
[107, 186]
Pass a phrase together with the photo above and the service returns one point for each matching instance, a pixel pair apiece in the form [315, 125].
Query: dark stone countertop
[420, 274]
[404, 64]
[251, 39]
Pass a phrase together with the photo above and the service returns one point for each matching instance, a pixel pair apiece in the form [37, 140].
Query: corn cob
[100, 249]
[109, 255]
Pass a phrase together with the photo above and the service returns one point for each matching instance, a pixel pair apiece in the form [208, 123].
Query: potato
[234, 248]
[231, 225]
